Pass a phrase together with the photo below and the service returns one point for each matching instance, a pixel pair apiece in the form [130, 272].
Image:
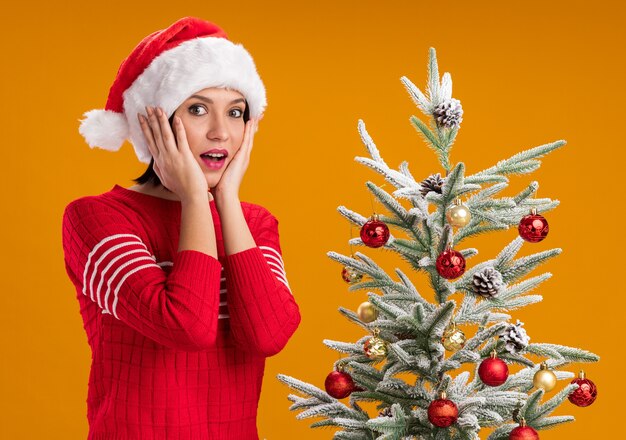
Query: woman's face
[213, 121]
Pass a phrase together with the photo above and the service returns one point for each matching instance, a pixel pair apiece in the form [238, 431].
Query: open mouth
[213, 157]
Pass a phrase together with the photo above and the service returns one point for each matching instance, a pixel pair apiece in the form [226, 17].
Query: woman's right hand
[174, 162]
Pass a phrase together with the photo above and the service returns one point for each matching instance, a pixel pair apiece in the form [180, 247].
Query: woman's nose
[217, 128]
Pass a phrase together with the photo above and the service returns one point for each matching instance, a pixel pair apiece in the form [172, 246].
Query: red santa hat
[164, 69]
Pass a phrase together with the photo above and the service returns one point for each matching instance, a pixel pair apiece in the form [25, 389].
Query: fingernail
[159, 111]
[149, 110]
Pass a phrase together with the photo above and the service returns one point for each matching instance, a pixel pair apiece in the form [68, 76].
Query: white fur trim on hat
[168, 81]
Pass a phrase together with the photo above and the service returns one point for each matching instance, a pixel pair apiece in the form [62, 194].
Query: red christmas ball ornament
[533, 227]
[586, 393]
[493, 371]
[443, 412]
[523, 432]
[339, 384]
[351, 275]
[374, 233]
[450, 264]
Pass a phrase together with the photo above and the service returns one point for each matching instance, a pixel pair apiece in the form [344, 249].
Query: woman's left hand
[229, 183]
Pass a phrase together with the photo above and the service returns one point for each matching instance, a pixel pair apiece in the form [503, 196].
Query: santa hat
[164, 69]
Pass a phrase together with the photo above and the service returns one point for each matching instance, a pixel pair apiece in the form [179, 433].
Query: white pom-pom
[104, 129]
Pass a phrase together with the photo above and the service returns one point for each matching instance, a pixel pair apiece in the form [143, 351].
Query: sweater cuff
[248, 267]
[192, 267]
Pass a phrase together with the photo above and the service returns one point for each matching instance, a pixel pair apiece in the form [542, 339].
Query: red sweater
[178, 339]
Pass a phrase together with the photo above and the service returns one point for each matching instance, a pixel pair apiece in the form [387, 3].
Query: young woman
[182, 287]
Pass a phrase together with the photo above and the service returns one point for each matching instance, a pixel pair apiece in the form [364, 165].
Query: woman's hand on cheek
[174, 162]
[230, 182]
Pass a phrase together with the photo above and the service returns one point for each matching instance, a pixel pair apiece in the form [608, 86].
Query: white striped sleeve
[277, 266]
[109, 265]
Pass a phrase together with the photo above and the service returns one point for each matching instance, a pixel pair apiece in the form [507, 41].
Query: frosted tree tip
[283, 378]
[406, 82]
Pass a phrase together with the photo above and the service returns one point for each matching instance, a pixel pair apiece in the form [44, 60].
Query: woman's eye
[236, 112]
[197, 110]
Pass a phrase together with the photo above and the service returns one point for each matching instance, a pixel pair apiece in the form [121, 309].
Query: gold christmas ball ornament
[458, 215]
[367, 312]
[375, 347]
[544, 378]
[453, 339]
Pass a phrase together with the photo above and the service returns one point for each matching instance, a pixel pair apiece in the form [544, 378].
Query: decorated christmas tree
[429, 377]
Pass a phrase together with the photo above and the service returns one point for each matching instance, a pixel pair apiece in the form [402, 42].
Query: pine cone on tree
[433, 183]
[449, 113]
[487, 283]
[515, 338]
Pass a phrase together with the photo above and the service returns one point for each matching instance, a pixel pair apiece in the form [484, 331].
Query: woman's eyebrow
[210, 101]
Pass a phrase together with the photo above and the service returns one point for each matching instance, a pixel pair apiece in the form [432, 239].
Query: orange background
[526, 74]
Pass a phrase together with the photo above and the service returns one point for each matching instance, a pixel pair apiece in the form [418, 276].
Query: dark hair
[149, 176]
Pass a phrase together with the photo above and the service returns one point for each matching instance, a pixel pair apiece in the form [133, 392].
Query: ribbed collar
[155, 202]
